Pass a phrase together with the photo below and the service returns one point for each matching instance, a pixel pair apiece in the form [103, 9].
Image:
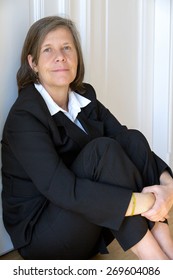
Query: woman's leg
[62, 235]
[105, 161]
[137, 148]
[57, 232]
[149, 249]
[162, 234]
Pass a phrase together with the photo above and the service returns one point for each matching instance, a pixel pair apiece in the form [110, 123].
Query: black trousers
[61, 234]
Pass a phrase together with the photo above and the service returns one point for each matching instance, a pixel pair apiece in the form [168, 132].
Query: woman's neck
[59, 95]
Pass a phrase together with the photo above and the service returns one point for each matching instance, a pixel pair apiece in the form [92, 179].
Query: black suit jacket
[37, 151]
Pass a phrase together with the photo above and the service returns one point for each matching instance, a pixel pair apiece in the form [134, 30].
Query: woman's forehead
[60, 33]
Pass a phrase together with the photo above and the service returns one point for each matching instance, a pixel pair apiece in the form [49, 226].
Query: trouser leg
[56, 233]
[105, 160]
[62, 235]
[138, 150]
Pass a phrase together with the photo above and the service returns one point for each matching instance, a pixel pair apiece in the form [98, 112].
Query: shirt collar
[76, 102]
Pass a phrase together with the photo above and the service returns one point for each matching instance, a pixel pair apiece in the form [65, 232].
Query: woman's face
[57, 63]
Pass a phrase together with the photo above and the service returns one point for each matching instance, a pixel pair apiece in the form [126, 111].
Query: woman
[73, 176]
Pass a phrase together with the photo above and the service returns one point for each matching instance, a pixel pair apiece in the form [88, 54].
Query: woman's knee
[133, 137]
[137, 136]
[97, 152]
[104, 145]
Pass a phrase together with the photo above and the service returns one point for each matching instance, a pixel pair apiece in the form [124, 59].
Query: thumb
[147, 189]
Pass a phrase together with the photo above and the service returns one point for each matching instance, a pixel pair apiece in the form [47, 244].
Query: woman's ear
[31, 63]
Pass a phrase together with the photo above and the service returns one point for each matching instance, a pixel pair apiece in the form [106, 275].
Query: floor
[115, 251]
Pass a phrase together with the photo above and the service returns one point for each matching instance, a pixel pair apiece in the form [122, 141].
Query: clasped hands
[163, 198]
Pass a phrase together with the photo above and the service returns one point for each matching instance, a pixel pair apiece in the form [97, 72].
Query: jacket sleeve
[31, 143]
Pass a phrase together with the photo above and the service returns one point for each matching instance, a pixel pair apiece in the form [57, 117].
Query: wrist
[140, 203]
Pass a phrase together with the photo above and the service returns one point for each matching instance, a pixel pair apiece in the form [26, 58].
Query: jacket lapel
[71, 129]
[93, 128]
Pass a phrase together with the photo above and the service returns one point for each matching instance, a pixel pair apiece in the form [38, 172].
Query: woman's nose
[59, 56]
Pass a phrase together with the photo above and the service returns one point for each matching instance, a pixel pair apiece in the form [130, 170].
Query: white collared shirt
[76, 102]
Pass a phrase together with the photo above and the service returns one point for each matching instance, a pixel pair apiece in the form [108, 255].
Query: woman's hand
[164, 198]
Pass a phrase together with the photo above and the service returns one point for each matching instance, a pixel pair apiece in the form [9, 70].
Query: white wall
[127, 46]
[162, 82]
[13, 25]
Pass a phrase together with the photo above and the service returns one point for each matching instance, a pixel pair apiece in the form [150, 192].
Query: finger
[146, 189]
[155, 217]
[151, 212]
[167, 217]
[162, 219]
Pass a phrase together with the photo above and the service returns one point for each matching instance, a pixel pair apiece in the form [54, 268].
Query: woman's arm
[140, 203]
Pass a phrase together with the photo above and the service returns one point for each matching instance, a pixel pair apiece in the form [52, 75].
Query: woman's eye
[67, 48]
[47, 50]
